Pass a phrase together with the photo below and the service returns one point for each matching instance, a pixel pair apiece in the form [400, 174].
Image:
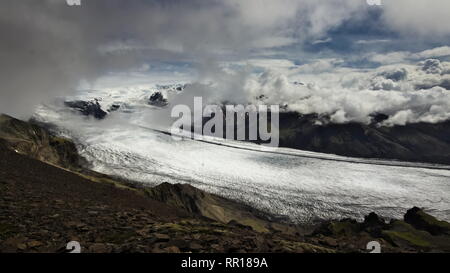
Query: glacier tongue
[302, 186]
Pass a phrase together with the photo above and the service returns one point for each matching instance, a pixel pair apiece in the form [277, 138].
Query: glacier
[299, 186]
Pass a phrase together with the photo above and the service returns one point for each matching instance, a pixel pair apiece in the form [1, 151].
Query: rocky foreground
[47, 199]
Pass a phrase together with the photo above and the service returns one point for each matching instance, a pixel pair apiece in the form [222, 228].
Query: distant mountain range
[415, 142]
[421, 142]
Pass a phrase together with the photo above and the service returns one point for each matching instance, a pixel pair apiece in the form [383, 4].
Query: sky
[341, 58]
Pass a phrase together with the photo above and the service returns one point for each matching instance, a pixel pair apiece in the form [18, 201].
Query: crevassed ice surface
[303, 186]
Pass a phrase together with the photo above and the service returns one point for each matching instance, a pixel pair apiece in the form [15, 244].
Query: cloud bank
[407, 93]
[48, 47]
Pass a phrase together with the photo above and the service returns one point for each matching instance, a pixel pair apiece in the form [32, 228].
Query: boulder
[423, 221]
[373, 224]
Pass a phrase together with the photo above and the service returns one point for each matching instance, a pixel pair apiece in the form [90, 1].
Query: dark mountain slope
[35, 141]
[422, 142]
[418, 142]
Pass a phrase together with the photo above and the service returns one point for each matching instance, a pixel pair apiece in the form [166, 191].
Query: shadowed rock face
[37, 142]
[420, 220]
[157, 99]
[87, 108]
[421, 142]
[208, 205]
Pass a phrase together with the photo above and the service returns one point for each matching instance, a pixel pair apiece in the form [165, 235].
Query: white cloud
[275, 64]
[322, 41]
[433, 53]
[319, 66]
[67, 47]
[405, 56]
[405, 92]
[390, 58]
[421, 18]
[374, 41]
